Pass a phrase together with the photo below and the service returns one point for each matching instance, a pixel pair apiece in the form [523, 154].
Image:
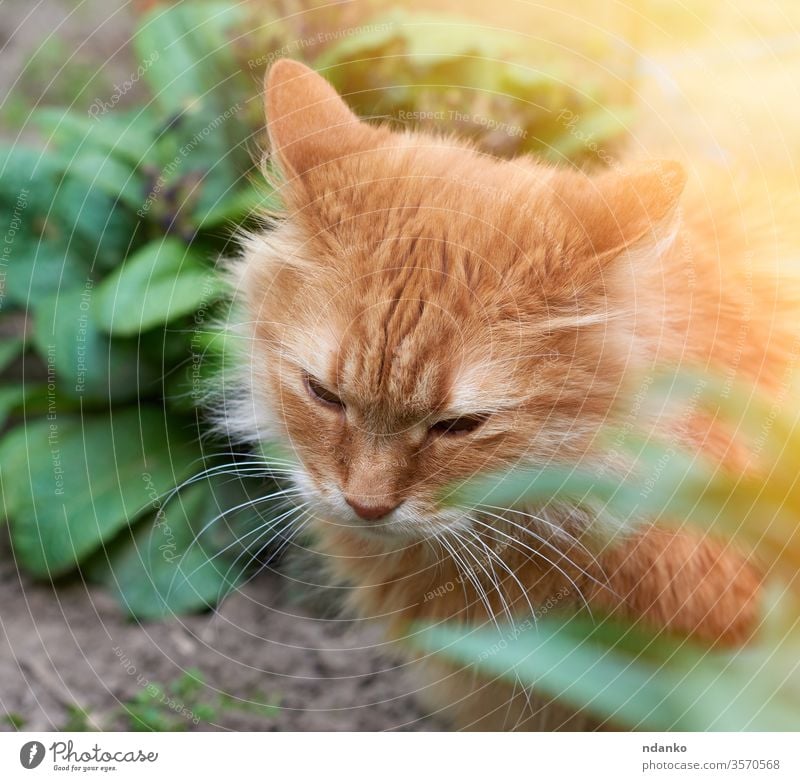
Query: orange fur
[418, 280]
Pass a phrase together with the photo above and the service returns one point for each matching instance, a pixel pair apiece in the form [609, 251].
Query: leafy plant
[110, 287]
[621, 673]
[508, 92]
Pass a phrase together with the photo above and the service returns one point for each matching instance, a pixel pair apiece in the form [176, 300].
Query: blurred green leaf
[113, 177]
[72, 483]
[238, 207]
[28, 179]
[128, 135]
[100, 228]
[634, 679]
[201, 89]
[162, 281]
[168, 565]
[11, 396]
[11, 348]
[38, 269]
[85, 361]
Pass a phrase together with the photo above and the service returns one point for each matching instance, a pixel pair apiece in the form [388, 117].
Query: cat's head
[423, 312]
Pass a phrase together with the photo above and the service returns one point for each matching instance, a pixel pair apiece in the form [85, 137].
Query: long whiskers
[492, 578]
[541, 555]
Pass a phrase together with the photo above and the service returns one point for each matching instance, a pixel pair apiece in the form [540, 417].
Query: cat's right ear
[309, 124]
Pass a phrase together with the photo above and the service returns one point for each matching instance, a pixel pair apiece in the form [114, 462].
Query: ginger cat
[421, 313]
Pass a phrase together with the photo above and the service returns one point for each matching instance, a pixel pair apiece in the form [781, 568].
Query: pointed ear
[635, 211]
[308, 123]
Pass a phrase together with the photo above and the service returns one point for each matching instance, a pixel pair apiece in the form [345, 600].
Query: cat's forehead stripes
[393, 357]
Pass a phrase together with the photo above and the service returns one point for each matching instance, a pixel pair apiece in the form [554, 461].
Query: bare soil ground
[70, 647]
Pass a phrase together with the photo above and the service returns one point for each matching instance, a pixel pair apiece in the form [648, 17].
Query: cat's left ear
[634, 212]
[309, 123]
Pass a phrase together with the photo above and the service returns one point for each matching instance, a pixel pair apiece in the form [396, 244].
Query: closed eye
[320, 393]
[465, 424]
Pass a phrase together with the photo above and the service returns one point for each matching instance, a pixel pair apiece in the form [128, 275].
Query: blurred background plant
[123, 192]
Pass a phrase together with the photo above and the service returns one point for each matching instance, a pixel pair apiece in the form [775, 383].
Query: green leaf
[100, 229]
[162, 281]
[87, 363]
[237, 207]
[39, 269]
[32, 173]
[128, 136]
[640, 680]
[186, 48]
[187, 558]
[110, 175]
[70, 483]
[201, 88]
[11, 398]
[11, 348]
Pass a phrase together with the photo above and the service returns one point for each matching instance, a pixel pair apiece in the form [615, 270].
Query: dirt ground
[70, 648]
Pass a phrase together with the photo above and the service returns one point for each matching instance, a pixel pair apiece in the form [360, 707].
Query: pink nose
[370, 512]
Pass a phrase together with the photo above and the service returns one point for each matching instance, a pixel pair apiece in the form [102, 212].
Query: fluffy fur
[419, 280]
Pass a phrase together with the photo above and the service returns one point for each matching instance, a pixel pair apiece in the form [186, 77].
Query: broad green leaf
[186, 48]
[237, 207]
[39, 269]
[127, 135]
[11, 348]
[86, 362]
[634, 679]
[28, 179]
[172, 563]
[162, 281]
[204, 93]
[100, 229]
[112, 176]
[11, 397]
[71, 483]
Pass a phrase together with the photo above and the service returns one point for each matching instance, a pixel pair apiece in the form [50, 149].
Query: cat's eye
[320, 393]
[465, 424]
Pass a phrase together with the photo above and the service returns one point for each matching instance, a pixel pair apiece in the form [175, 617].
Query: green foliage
[508, 92]
[619, 672]
[15, 721]
[185, 701]
[78, 720]
[116, 222]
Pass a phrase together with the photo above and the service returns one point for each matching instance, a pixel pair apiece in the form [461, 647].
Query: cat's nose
[371, 512]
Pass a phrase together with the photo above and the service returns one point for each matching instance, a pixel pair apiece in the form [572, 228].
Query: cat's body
[414, 283]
